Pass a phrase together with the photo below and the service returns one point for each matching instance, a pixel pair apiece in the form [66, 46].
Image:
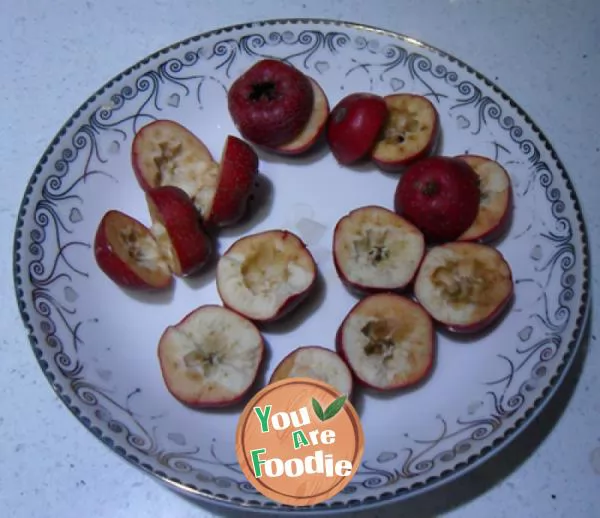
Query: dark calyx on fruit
[266, 91]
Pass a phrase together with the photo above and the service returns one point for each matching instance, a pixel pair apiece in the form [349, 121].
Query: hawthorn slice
[265, 275]
[318, 363]
[314, 128]
[177, 230]
[464, 286]
[409, 134]
[166, 153]
[211, 358]
[126, 251]
[374, 249]
[237, 172]
[495, 199]
[388, 341]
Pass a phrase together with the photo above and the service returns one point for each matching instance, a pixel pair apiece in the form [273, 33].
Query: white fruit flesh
[211, 357]
[316, 121]
[259, 273]
[409, 129]
[495, 196]
[376, 248]
[166, 247]
[135, 246]
[316, 363]
[170, 155]
[463, 283]
[388, 341]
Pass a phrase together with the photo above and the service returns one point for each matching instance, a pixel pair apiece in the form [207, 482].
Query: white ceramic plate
[97, 345]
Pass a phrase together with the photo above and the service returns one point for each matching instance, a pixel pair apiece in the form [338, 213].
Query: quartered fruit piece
[314, 128]
[495, 202]
[388, 341]
[126, 251]
[270, 103]
[211, 358]
[166, 153]
[318, 363]
[177, 230]
[464, 286]
[374, 249]
[265, 275]
[410, 132]
[237, 172]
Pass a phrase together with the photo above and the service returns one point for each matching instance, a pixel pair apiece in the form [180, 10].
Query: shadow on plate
[480, 480]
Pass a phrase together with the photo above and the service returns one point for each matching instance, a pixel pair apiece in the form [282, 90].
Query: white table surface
[54, 54]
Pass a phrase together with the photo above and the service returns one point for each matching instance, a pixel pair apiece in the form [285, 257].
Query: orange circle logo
[299, 441]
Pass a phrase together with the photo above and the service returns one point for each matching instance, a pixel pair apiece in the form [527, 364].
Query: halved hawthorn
[388, 341]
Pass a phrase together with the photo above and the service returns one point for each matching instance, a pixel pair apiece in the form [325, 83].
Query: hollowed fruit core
[175, 157]
[135, 246]
[376, 248]
[388, 341]
[212, 356]
[408, 130]
[259, 273]
[463, 284]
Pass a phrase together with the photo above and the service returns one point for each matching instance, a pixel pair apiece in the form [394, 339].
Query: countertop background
[53, 55]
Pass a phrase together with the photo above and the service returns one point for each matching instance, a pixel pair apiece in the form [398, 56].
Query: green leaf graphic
[334, 408]
[318, 410]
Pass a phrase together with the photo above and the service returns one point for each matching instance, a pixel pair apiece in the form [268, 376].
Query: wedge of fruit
[210, 358]
[237, 172]
[314, 128]
[388, 341]
[409, 134]
[316, 362]
[354, 125]
[271, 103]
[166, 153]
[464, 286]
[177, 230]
[495, 202]
[265, 275]
[374, 249]
[440, 196]
[129, 255]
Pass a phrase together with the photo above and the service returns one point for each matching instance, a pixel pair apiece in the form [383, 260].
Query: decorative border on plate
[487, 109]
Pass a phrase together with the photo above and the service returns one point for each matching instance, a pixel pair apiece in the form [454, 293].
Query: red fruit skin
[354, 125]
[114, 267]
[339, 347]
[275, 121]
[320, 347]
[291, 303]
[444, 215]
[177, 213]
[198, 404]
[239, 168]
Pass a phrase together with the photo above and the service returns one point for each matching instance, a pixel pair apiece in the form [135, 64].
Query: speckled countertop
[54, 54]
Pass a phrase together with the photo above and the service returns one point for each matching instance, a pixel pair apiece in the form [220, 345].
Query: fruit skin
[314, 128]
[492, 318]
[354, 125]
[360, 289]
[339, 347]
[199, 404]
[440, 196]
[394, 166]
[270, 103]
[239, 169]
[174, 209]
[275, 377]
[294, 300]
[117, 269]
[494, 233]
[146, 179]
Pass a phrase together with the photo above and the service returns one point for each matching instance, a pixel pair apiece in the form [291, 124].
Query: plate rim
[581, 316]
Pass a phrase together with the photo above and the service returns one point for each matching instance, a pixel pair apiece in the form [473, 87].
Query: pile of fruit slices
[428, 261]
